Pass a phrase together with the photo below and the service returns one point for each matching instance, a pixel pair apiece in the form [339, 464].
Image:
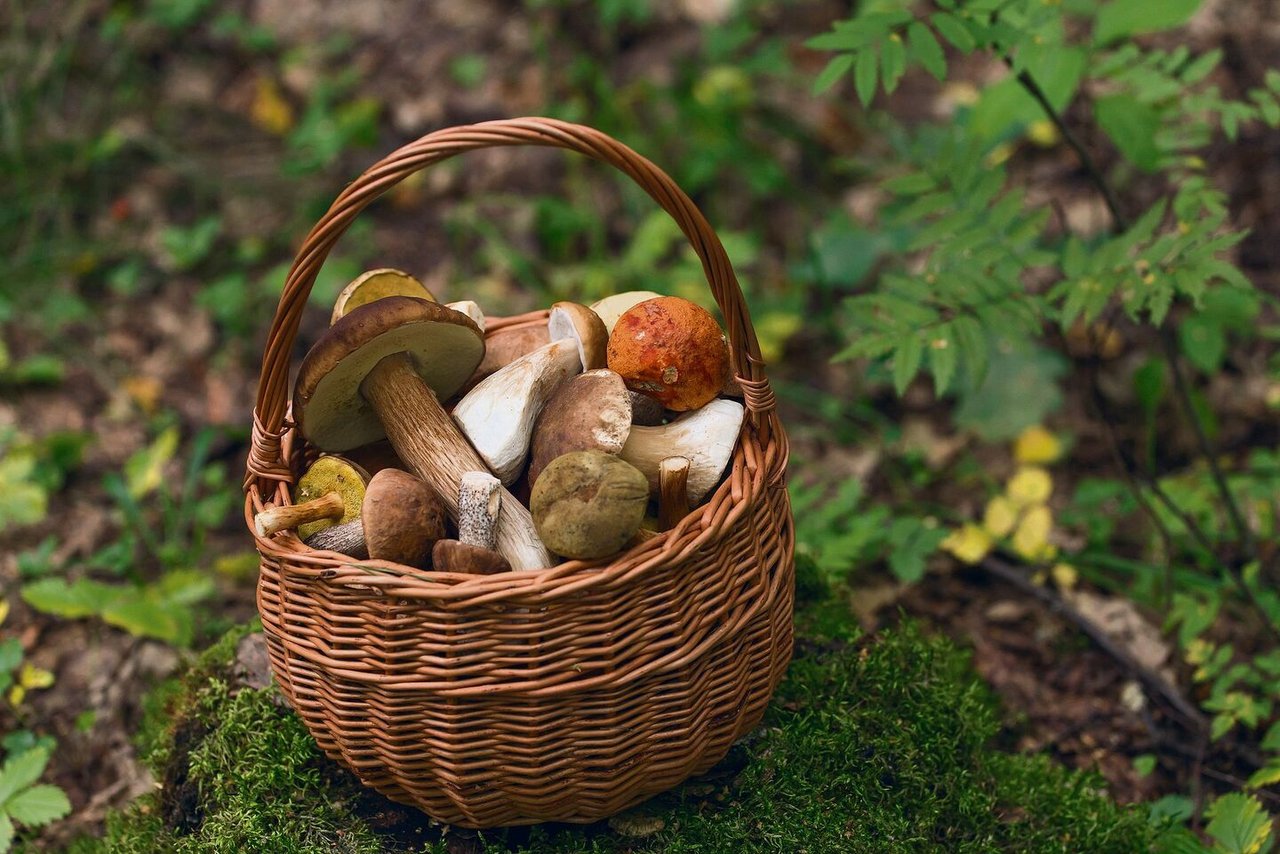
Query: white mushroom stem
[347, 539]
[428, 441]
[273, 520]
[706, 437]
[479, 503]
[673, 491]
[470, 309]
[498, 414]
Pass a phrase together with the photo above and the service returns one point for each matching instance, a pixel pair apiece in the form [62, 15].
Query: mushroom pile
[611, 422]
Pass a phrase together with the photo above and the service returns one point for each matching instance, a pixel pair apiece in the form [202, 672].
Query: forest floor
[211, 127]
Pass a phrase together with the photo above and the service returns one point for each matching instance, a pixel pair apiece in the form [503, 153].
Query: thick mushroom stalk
[479, 503]
[498, 414]
[378, 372]
[706, 437]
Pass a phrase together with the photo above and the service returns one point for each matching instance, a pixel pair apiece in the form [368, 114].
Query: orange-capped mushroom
[671, 350]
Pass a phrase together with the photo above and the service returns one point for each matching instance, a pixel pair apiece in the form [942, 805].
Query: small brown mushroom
[329, 493]
[505, 346]
[479, 502]
[401, 518]
[374, 285]
[672, 350]
[381, 370]
[588, 504]
[591, 411]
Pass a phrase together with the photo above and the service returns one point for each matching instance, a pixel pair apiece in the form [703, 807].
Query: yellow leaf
[1064, 575]
[969, 543]
[1032, 536]
[143, 391]
[4, 610]
[1029, 485]
[16, 695]
[34, 677]
[1036, 446]
[269, 110]
[1043, 133]
[1000, 517]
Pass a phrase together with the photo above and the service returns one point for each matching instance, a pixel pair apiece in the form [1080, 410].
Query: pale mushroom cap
[612, 307]
[590, 412]
[331, 474]
[706, 436]
[457, 556]
[571, 320]
[444, 345]
[471, 309]
[375, 285]
[403, 517]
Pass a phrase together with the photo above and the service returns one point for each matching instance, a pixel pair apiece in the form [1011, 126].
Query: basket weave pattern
[566, 694]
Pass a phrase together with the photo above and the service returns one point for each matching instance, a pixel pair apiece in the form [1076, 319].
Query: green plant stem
[1168, 345]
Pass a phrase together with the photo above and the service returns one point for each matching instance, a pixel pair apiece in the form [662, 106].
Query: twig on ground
[1152, 681]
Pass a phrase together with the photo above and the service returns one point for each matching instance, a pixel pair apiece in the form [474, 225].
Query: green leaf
[906, 361]
[81, 598]
[21, 771]
[147, 619]
[912, 184]
[926, 50]
[1268, 775]
[1143, 765]
[954, 31]
[1239, 824]
[1204, 342]
[893, 62]
[1132, 126]
[865, 73]
[942, 362]
[6, 833]
[1132, 17]
[38, 805]
[912, 541]
[836, 68]
[1019, 389]
[144, 470]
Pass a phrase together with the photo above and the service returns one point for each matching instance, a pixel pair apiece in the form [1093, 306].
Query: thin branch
[1152, 681]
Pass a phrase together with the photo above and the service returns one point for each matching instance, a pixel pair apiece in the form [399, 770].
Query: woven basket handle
[266, 464]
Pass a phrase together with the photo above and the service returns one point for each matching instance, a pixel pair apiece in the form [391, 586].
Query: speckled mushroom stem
[479, 503]
[273, 520]
[429, 442]
[673, 491]
[347, 539]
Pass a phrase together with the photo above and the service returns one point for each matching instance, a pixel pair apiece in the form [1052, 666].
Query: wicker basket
[564, 694]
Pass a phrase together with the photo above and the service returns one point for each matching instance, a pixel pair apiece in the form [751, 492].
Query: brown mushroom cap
[672, 350]
[572, 320]
[591, 411]
[588, 504]
[444, 345]
[331, 474]
[375, 285]
[403, 517]
[506, 345]
[457, 556]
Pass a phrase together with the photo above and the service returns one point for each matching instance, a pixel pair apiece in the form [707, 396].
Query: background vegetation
[1013, 263]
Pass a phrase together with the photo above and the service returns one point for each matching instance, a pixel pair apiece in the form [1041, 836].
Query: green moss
[870, 747]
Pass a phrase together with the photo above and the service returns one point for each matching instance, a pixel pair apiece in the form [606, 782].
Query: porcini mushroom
[329, 493]
[479, 502]
[672, 350]
[374, 285]
[498, 414]
[401, 517]
[378, 371]
[612, 307]
[400, 520]
[591, 411]
[706, 437]
[588, 504]
[505, 346]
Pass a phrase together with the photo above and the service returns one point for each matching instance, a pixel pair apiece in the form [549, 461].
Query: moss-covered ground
[881, 744]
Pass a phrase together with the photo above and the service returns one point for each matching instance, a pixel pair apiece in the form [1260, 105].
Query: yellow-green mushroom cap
[375, 285]
[331, 474]
[444, 345]
[588, 504]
